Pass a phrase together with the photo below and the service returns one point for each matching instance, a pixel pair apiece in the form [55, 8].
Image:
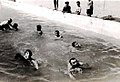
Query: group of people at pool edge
[67, 7]
[74, 66]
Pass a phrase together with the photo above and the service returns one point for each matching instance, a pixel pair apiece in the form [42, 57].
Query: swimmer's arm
[11, 26]
[35, 64]
[72, 77]
[71, 74]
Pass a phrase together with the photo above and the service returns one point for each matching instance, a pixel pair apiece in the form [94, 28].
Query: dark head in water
[57, 33]
[10, 21]
[28, 54]
[76, 45]
[74, 62]
[39, 27]
[15, 26]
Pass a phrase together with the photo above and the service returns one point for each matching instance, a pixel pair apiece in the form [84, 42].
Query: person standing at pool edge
[78, 10]
[90, 8]
[55, 4]
[67, 8]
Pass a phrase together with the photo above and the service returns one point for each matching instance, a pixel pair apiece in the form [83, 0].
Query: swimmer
[39, 29]
[15, 26]
[57, 34]
[74, 68]
[76, 45]
[27, 58]
[6, 25]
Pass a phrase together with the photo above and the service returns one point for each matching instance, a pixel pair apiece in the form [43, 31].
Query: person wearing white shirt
[90, 8]
[78, 10]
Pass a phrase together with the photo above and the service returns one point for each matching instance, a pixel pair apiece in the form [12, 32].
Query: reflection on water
[102, 55]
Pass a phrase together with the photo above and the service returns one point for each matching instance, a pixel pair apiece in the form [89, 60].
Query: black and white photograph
[59, 41]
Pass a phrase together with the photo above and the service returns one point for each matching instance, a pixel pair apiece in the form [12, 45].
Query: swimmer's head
[27, 54]
[10, 21]
[73, 61]
[39, 27]
[75, 44]
[15, 25]
[57, 33]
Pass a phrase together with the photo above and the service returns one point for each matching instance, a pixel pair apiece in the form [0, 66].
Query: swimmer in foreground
[39, 29]
[75, 68]
[7, 25]
[27, 58]
[57, 35]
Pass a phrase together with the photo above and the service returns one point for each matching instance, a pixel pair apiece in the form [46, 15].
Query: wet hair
[74, 66]
[73, 43]
[66, 2]
[72, 59]
[78, 2]
[30, 53]
[10, 20]
[15, 25]
[39, 27]
[57, 31]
